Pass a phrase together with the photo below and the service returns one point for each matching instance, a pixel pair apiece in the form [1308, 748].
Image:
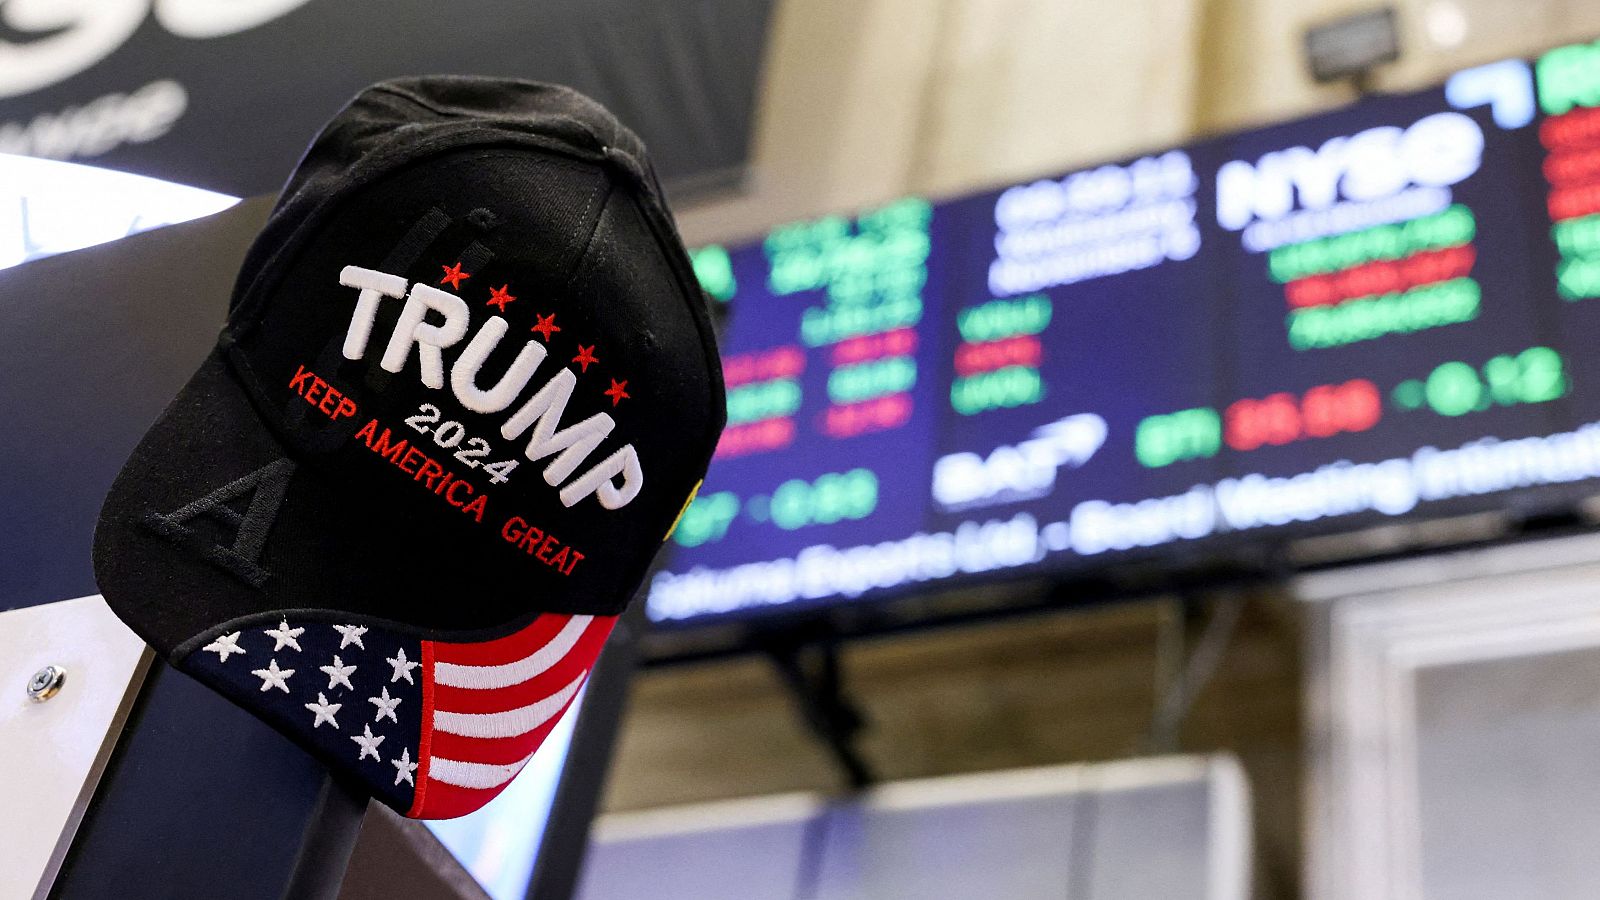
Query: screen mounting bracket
[809, 669]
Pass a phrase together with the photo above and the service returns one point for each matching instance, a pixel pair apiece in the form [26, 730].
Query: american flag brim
[435, 729]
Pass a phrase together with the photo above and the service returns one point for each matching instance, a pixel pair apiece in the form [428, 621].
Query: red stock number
[1284, 418]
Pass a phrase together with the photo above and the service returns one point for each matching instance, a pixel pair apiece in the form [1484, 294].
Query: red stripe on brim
[504, 650]
[577, 660]
[495, 751]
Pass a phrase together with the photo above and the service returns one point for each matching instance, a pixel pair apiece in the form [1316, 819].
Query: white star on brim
[224, 646]
[338, 673]
[402, 667]
[284, 636]
[368, 742]
[324, 711]
[385, 705]
[350, 634]
[403, 767]
[273, 677]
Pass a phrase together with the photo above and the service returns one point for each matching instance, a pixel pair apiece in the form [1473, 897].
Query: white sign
[49, 207]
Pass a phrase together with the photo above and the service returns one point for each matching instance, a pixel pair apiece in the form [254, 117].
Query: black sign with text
[225, 95]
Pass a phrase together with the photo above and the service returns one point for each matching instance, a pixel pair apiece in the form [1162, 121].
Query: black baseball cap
[466, 387]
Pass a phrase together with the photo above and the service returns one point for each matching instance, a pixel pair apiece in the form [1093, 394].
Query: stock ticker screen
[1386, 311]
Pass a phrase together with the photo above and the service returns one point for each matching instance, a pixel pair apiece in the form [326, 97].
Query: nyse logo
[43, 42]
[1017, 472]
[1439, 150]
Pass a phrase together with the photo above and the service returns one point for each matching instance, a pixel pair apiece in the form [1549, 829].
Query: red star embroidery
[617, 392]
[546, 325]
[453, 276]
[500, 296]
[585, 357]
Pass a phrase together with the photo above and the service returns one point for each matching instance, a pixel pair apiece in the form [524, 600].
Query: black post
[811, 672]
[201, 799]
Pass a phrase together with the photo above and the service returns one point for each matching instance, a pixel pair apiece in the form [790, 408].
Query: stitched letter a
[262, 490]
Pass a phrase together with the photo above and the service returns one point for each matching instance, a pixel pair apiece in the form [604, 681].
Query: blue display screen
[1379, 312]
